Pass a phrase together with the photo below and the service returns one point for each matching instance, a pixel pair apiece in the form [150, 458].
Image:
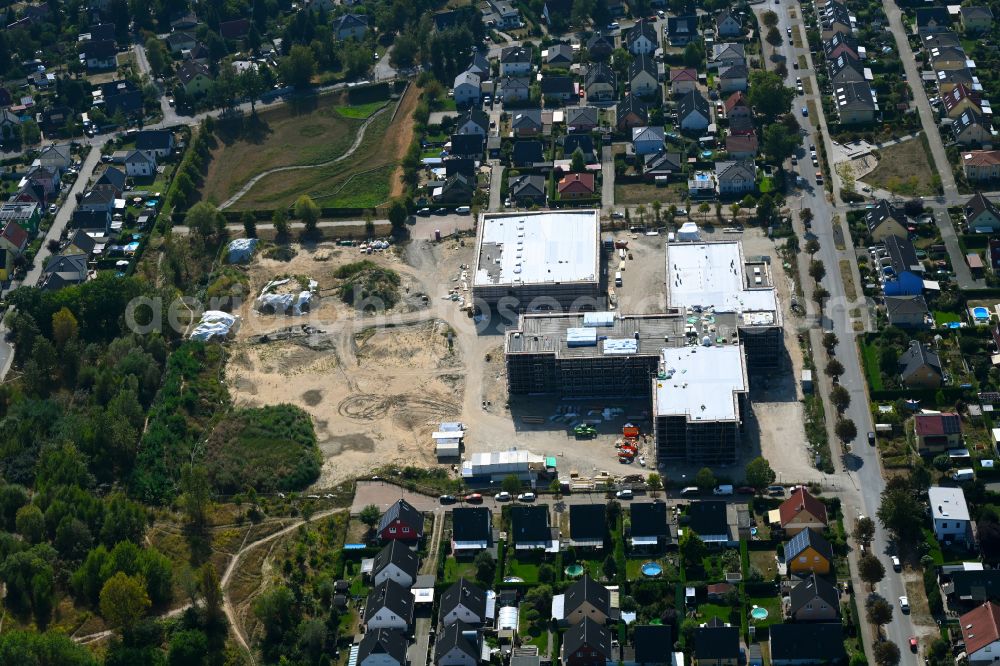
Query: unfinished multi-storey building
[539, 261]
[699, 400]
[713, 283]
[593, 354]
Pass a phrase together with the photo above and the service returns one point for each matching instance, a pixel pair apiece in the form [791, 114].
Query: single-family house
[814, 599]
[726, 54]
[642, 76]
[235, 29]
[733, 77]
[716, 645]
[708, 520]
[501, 14]
[736, 177]
[527, 190]
[647, 140]
[45, 176]
[194, 77]
[653, 644]
[559, 56]
[950, 514]
[948, 58]
[600, 83]
[382, 647]
[471, 529]
[587, 526]
[80, 243]
[350, 26]
[742, 146]
[947, 79]
[25, 214]
[527, 154]
[10, 125]
[981, 632]
[112, 177]
[587, 644]
[98, 199]
[457, 189]
[581, 118]
[600, 45]
[140, 165]
[683, 81]
[835, 17]
[576, 186]
[972, 129]
[800, 644]
[981, 165]
[56, 156]
[389, 606]
[467, 88]
[738, 106]
[802, 511]
[970, 586]
[515, 61]
[981, 214]
[808, 552]
[473, 121]
[885, 220]
[907, 311]
[846, 69]
[155, 143]
[458, 645]
[526, 122]
[530, 529]
[648, 525]
[463, 602]
[184, 21]
[13, 238]
[514, 89]
[933, 20]
[661, 165]
[976, 20]
[467, 145]
[586, 599]
[63, 270]
[99, 54]
[856, 103]
[693, 113]
[479, 64]
[630, 113]
[578, 140]
[728, 24]
[178, 42]
[920, 367]
[717, 592]
[682, 30]
[938, 432]
[401, 521]
[558, 88]
[91, 220]
[960, 99]
[642, 39]
[396, 562]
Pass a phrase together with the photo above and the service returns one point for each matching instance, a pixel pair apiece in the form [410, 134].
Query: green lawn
[534, 634]
[362, 190]
[869, 355]
[773, 606]
[766, 185]
[526, 571]
[360, 111]
[941, 318]
[708, 611]
[453, 570]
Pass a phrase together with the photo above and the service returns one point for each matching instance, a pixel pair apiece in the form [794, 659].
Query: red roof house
[937, 432]
[801, 511]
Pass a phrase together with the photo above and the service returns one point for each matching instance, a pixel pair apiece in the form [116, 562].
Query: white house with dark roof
[396, 562]
[382, 647]
[463, 602]
[389, 606]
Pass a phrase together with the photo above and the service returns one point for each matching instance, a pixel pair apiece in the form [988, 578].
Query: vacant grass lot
[642, 193]
[903, 168]
[311, 132]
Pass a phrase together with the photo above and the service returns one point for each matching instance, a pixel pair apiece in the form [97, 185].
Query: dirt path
[429, 565]
[402, 132]
[359, 137]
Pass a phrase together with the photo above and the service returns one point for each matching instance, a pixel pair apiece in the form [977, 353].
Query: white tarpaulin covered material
[285, 303]
[688, 232]
[215, 325]
[240, 250]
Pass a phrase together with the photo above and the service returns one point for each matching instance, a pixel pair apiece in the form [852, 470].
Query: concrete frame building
[713, 284]
[539, 260]
[592, 354]
[700, 395]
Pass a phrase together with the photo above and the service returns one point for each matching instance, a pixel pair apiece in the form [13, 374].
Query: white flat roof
[540, 248]
[948, 503]
[711, 274]
[701, 382]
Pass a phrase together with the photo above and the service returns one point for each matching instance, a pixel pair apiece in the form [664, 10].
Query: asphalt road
[859, 467]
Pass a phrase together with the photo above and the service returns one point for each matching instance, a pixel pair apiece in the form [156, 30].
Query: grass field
[643, 193]
[365, 179]
[360, 111]
[903, 168]
[869, 356]
[453, 570]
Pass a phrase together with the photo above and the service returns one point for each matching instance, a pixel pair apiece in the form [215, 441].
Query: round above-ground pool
[574, 570]
[651, 569]
[759, 613]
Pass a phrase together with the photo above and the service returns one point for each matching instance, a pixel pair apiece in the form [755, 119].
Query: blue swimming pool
[980, 313]
[651, 569]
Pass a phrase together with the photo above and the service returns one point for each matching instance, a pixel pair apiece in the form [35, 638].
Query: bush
[368, 286]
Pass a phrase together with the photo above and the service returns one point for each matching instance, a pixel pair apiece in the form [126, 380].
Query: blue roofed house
[901, 271]
[647, 140]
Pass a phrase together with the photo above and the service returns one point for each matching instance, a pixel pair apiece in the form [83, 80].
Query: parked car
[624, 494]
[474, 498]
[871, 438]
[904, 604]
[447, 499]
[896, 565]
[526, 497]
[914, 644]
[745, 490]
[690, 490]
[776, 490]
[503, 496]
[424, 212]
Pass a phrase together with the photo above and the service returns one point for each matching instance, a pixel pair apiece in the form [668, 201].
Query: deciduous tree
[124, 601]
[870, 570]
[759, 473]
